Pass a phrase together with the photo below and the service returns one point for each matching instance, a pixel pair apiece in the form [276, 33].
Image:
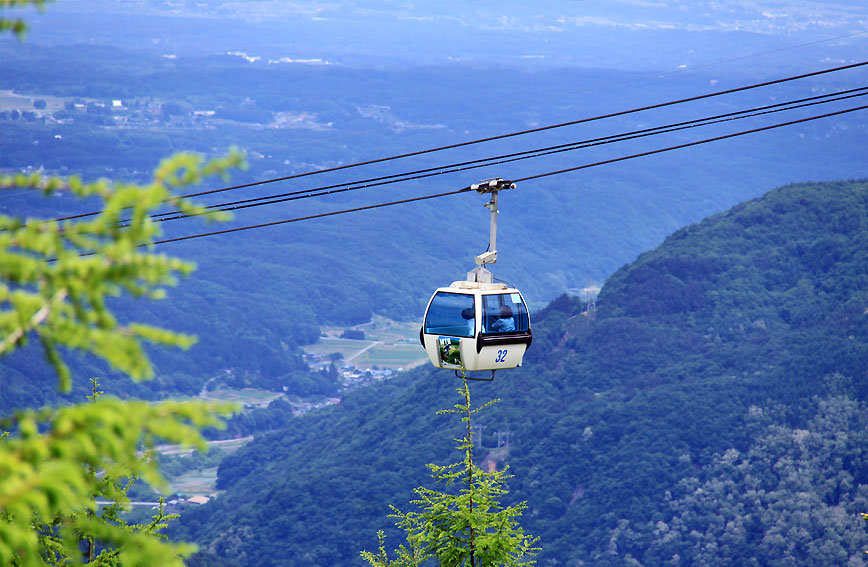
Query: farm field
[225, 445]
[245, 396]
[348, 348]
[10, 100]
[196, 483]
[391, 356]
[388, 344]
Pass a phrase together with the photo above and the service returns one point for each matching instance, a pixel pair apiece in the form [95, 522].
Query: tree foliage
[62, 460]
[57, 279]
[17, 25]
[791, 499]
[467, 528]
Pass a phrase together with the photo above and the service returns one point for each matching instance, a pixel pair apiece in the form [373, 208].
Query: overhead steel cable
[522, 179]
[516, 156]
[540, 129]
[508, 135]
[690, 144]
[680, 70]
[309, 217]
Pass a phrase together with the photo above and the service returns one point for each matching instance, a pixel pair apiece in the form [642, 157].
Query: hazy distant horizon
[616, 34]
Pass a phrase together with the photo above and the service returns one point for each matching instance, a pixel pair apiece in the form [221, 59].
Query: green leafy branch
[39, 478]
[56, 276]
[56, 280]
[17, 25]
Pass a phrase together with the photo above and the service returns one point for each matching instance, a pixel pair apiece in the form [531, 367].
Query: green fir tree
[465, 524]
[55, 282]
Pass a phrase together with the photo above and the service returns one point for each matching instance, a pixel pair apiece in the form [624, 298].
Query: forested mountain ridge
[260, 294]
[713, 410]
[789, 267]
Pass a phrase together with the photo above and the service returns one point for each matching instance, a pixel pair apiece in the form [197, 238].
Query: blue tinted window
[504, 313]
[450, 314]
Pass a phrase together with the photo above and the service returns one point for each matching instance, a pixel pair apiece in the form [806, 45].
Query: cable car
[478, 324]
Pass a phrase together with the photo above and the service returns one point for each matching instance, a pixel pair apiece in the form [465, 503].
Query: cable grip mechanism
[493, 186]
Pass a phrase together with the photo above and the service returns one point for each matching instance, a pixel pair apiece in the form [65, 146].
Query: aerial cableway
[479, 324]
[539, 152]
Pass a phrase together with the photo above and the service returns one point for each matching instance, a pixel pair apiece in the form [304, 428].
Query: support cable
[690, 144]
[542, 128]
[527, 178]
[510, 135]
[309, 217]
[516, 156]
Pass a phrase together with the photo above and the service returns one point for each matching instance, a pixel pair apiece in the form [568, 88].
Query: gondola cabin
[476, 326]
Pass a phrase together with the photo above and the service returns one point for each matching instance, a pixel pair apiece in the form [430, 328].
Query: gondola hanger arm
[492, 186]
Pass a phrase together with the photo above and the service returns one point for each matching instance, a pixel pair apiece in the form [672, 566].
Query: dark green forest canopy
[730, 360]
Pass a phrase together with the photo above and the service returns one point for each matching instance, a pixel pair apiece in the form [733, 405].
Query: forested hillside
[712, 411]
[259, 295]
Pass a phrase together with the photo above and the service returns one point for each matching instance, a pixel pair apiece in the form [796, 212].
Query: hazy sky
[610, 33]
